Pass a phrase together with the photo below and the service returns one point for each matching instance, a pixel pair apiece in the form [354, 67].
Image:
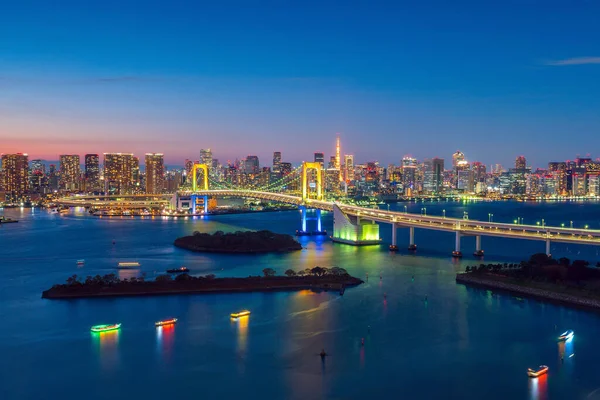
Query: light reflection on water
[165, 336]
[107, 348]
[538, 388]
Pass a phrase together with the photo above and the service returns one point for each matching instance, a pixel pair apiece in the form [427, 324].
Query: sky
[494, 79]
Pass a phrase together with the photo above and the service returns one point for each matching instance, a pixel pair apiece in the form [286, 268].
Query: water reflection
[107, 348]
[538, 388]
[164, 340]
[242, 332]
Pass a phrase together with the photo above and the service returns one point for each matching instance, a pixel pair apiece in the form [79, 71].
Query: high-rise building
[135, 174]
[70, 171]
[462, 166]
[37, 166]
[92, 172]
[286, 168]
[479, 171]
[119, 172]
[456, 158]
[320, 158]
[433, 175]
[251, 166]
[349, 167]
[559, 171]
[155, 173]
[276, 159]
[15, 168]
[331, 162]
[206, 157]
[338, 161]
[409, 168]
[520, 163]
[465, 180]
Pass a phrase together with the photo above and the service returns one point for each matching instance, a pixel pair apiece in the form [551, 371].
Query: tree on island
[318, 271]
[163, 278]
[290, 273]
[268, 272]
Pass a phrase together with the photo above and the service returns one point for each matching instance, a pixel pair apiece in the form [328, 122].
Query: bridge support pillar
[394, 245]
[548, 247]
[457, 252]
[302, 231]
[319, 231]
[478, 251]
[411, 243]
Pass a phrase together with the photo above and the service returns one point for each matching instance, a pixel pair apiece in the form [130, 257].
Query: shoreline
[506, 285]
[197, 286]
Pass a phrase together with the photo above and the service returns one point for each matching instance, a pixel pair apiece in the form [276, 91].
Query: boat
[178, 270]
[80, 262]
[128, 264]
[534, 373]
[171, 321]
[566, 335]
[105, 328]
[240, 314]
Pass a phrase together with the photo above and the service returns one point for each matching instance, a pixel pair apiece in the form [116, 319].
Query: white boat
[128, 264]
[80, 262]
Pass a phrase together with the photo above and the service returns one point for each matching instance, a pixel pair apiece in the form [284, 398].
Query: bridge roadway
[463, 227]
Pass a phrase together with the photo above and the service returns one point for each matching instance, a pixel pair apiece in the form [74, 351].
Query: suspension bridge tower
[199, 202]
[307, 187]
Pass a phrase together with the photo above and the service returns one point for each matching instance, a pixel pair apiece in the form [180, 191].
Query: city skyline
[212, 77]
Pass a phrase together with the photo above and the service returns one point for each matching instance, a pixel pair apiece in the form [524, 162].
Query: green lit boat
[105, 328]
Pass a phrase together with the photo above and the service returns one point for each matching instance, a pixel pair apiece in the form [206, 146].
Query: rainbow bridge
[354, 224]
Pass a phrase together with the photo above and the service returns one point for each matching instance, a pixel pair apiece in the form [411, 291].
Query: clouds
[574, 61]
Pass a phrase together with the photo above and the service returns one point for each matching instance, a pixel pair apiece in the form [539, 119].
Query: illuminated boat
[128, 264]
[566, 336]
[534, 373]
[80, 262]
[166, 322]
[178, 270]
[105, 328]
[240, 314]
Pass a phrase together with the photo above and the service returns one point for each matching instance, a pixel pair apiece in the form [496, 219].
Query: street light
[571, 224]
[586, 226]
[490, 216]
[405, 210]
[444, 211]
[543, 223]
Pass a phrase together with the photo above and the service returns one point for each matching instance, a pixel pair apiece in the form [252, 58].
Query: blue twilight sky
[494, 79]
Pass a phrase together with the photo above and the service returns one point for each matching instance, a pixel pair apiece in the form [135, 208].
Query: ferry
[171, 321]
[567, 335]
[80, 262]
[178, 270]
[240, 314]
[128, 264]
[105, 328]
[534, 373]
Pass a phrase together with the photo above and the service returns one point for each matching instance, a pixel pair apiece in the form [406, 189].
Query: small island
[238, 242]
[573, 283]
[110, 285]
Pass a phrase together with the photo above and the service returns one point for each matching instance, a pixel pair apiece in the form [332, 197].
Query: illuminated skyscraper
[92, 172]
[37, 166]
[155, 173]
[15, 168]
[433, 175]
[70, 171]
[349, 167]
[409, 168]
[118, 173]
[559, 172]
[456, 158]
[338, 157]
[520, 163]
[206, 157]
[320, 158]
[251, 166]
